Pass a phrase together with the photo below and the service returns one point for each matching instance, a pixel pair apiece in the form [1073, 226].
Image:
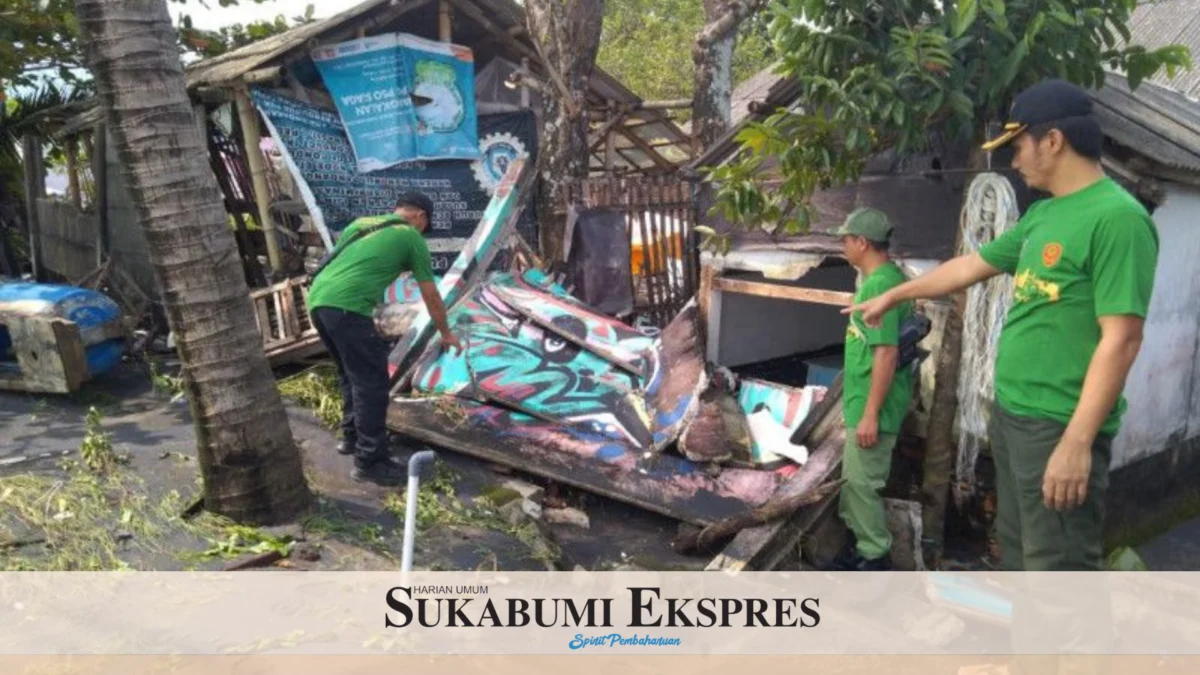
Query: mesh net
[990, 210]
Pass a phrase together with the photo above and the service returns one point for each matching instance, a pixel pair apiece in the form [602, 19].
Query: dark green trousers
[1050, 616]
[1033, 537]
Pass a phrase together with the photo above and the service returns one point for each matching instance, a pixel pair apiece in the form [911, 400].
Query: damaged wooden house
[291, 186]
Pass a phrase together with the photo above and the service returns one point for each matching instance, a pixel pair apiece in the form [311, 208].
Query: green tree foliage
[647, 45]
[879, 75]
[39, 39]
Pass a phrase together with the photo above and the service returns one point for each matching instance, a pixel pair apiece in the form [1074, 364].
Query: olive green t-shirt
[1074, 258]
[356, 279]
[861, 341]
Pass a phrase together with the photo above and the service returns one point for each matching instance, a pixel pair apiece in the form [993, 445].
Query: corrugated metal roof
[1165, 22]
[1157, 123]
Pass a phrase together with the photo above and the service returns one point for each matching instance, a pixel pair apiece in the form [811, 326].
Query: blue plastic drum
[91, 310]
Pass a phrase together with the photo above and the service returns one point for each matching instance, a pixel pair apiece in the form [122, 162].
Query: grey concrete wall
[1162, 388]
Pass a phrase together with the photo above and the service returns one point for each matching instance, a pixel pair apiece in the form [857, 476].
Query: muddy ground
[56, 513]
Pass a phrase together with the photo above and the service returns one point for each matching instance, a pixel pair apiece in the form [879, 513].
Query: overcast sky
[247, 12]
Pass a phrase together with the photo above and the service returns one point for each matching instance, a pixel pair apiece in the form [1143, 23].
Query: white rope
[990, 210]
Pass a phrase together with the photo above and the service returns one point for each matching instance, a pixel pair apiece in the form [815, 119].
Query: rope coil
[990, 210]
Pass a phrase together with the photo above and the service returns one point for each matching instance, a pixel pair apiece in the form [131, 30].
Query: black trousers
[361, 356]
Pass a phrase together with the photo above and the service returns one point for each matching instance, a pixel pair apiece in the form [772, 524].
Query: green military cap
[866, 222]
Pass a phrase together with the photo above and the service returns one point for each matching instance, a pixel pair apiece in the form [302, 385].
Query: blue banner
[317, 151]
[442, 77]
[369, 84]
[402, 98]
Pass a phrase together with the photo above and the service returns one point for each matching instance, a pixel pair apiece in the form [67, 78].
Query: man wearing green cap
[1083, 270]
[875, 395]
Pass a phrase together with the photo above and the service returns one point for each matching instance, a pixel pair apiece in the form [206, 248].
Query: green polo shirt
[356, 279]
[861, 341]
[1074, 258]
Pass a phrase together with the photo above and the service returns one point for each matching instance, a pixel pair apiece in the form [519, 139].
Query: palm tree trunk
[712, 55]
[248, 459]
[567, 33]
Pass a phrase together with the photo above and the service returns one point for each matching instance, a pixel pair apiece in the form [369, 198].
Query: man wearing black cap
[1083, 264]
[370, 254]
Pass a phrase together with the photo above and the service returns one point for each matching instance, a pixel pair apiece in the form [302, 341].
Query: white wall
[1162, 389]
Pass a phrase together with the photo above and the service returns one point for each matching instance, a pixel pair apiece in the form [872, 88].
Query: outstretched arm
[437, 312]
[949, 277]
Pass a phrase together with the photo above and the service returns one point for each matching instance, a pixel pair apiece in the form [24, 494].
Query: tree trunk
[567, 36]
[248, 459]
[713, 56]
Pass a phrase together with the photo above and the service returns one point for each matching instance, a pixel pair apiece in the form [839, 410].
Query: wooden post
[73, 192]
[100, 174]
[444, 20]
[35, 188]
[251, 144]
[524, 90]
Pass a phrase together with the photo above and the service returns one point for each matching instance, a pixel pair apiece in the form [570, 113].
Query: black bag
[912, 331]
[358, 234]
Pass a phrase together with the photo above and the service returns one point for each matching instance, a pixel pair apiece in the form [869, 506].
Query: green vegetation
[316, 389]
[876, 76]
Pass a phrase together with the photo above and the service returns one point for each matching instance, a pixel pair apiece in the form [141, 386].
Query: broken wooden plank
[778, 507]
[50, 355]
[661, 483]
[782, 292]
[752, 547]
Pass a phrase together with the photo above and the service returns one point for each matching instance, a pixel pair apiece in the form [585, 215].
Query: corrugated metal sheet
[1166, 22]
[1160, 124]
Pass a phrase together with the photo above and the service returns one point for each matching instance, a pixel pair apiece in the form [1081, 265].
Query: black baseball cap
[418, 200]
[1047, 101]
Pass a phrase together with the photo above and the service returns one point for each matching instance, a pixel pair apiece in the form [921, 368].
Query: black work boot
[345, 447]
[384, 470]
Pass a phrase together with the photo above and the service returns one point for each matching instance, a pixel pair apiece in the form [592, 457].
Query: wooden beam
[100, 174]
[646, 148]
[669, 104]
[444, 20]
[251, 145]
[781, 292]
[267, 75]
[74, 193]
[35, 189]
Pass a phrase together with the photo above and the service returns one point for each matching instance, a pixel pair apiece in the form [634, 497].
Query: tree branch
[733, 17]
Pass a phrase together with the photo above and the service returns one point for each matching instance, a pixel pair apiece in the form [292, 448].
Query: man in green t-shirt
[876, 395]
[1083, 265]
[341, 302]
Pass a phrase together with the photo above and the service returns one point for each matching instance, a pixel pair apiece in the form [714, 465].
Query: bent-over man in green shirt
[371, 253]
[876, 395]
[1083, 266]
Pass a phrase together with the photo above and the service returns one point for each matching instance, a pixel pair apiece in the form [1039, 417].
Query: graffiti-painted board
[606, 337]
[787, 406]
[512, 361]
[473, 260]
[515, 363]
[661, 483]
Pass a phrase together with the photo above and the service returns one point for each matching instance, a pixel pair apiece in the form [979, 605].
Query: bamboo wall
[68, 238]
